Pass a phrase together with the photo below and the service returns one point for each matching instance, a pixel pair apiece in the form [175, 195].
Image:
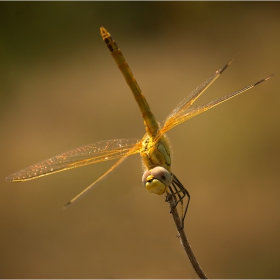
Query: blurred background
[60, 89]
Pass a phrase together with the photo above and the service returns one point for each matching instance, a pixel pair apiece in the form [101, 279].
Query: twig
[184, 241]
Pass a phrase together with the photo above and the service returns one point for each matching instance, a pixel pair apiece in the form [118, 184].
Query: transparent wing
[191, 98]
[89, 154]
[133, 150]
[192, 112]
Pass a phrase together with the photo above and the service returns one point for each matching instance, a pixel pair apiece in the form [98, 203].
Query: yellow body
[153, 147]
[156, 153]
[149, 119]
[153, 153]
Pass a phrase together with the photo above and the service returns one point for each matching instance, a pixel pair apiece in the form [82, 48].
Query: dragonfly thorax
[155, 154]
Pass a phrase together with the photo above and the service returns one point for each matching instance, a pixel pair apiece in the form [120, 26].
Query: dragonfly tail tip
[103, 31]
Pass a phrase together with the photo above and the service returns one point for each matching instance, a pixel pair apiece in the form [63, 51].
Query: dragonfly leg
[178, 192]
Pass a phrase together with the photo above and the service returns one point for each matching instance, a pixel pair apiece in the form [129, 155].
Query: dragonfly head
[156, 180]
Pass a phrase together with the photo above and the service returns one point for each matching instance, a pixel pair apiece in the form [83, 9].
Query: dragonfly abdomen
[151, 124]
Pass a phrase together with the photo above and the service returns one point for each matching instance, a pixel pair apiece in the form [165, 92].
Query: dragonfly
[154, 149]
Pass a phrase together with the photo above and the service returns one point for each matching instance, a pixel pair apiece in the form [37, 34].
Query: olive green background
[60, 89]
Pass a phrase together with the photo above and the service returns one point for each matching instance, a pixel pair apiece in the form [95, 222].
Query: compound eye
[158, 173]
[144, 177]
[161, 174]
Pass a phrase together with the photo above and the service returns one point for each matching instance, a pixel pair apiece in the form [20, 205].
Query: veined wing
[89, 154]
[191, 98]
[133, 150]
[192, 112]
